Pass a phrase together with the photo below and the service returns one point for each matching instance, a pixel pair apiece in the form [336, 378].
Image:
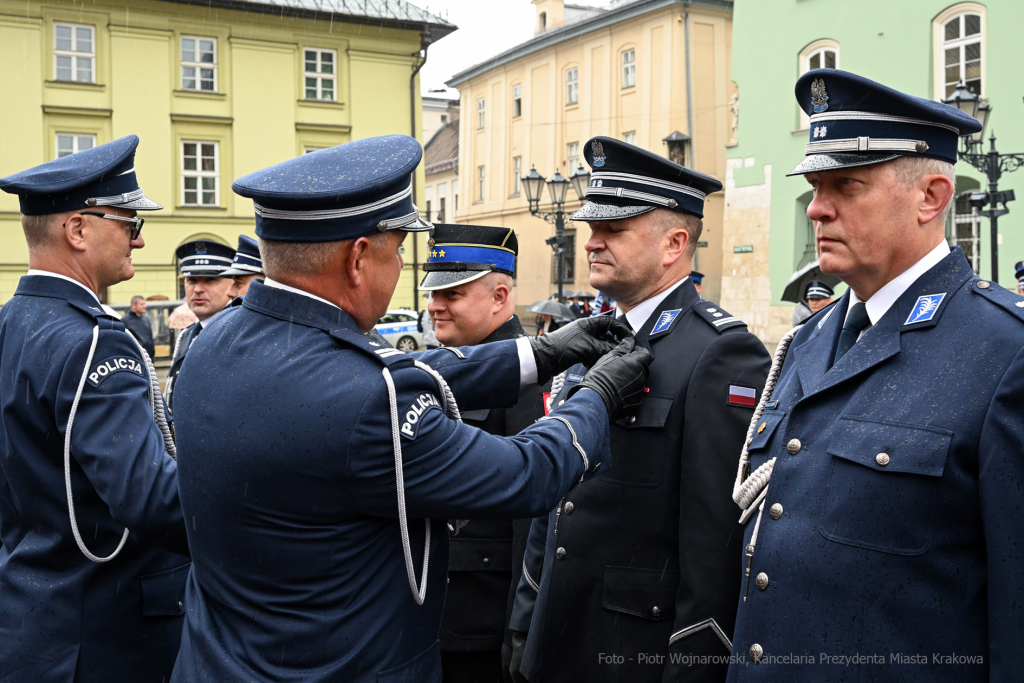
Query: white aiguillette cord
[419, 593]
[158, 415]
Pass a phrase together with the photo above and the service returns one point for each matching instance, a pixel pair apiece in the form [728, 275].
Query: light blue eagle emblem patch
[925, 308]
[665, 321]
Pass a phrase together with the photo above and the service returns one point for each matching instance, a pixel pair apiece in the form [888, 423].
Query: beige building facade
[640, 71]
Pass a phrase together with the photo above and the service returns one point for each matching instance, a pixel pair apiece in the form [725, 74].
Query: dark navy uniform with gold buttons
[305, 448]
[890, 525]
[642, 560]
[65, 616]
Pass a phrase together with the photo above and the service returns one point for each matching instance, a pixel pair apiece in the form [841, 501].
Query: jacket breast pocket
[163, 593]
[643, 463]
[764, 430]
[646, 593]
[884, 480]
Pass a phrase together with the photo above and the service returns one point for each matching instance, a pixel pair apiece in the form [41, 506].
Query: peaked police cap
[97, 177]
[462, 253]
[344, 192]
[857, 122]
[203, 258]
[247, 259]
[628, 181]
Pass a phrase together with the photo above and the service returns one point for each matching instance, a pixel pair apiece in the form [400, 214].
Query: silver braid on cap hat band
[866, 144]
[328, 214]
[647, 180]
[631, 194]
[122, 198]
[872, 116]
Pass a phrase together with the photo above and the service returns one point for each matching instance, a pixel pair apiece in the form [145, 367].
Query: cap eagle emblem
[599, 156]
[819, 97]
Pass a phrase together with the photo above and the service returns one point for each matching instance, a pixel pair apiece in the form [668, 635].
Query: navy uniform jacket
[181, 346]
[486, 558]
[919, 552]
[288, 486]
[643, 559]
[62, 616]
[139, 327]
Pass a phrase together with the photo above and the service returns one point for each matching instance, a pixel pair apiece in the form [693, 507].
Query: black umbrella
[794, 290]
[548, 307]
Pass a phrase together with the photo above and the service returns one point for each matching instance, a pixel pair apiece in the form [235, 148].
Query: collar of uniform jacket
[42, 283]
[510, 329]
[641, 313]
[298, 308]
[46, 273]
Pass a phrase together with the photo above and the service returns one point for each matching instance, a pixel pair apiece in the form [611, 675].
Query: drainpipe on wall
[689, 108]
[425, 41]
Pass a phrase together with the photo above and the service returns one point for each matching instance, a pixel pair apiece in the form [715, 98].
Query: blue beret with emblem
[247, 259]
[857, 122]
[203, 258]
[696, 276]
[628, 181]
[462, 253]
[101, 176]
[339, 193]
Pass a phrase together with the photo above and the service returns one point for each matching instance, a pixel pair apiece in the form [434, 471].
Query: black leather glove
[583, 341]
[619, 378]
[518, 648]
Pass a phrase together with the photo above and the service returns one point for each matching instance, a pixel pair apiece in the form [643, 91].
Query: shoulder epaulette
[1000, 296]
[716, 316]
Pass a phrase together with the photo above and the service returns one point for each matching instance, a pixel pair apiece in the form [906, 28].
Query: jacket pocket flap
[163, 593]
[765, 428]
[892, 446]
[652, 413]
[479, 555]
[646, 593]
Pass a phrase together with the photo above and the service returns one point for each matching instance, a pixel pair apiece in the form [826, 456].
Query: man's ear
[677, 240]
[936, 193]
[74, 231]
[500, 295]
[357, 261]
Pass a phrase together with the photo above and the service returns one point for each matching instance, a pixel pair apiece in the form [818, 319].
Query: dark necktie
[856, 321]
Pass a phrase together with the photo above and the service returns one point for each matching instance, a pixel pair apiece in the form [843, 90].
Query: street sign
[743, 249]
[702, 244]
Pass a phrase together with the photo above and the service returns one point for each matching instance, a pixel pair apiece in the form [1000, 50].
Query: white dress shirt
[639, 314]
[883, 299]
[47, 273]
[527, 363]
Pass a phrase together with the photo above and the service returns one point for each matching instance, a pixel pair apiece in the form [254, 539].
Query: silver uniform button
[756, 652]
[655, 611]
[761, 580]
[569, 507]
[487, 561]
[882, 459]
[983, 285]
[560, 553]
[181, 605]
[793, 447]
[776, 511]
[631, 419]
[561, 402]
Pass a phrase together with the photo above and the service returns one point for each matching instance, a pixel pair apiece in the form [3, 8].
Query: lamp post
[558, 188]
[991, 163]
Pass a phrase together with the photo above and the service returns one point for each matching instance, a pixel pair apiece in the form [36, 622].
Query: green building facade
[923, 47]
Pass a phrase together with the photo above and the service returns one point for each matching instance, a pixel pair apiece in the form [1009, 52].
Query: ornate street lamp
[558, 188]
[991, 163]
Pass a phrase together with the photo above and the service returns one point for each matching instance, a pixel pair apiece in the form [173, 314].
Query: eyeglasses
[136, 222]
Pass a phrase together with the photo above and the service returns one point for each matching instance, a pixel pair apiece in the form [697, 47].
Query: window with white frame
[572, 87]
[480, 109]
[307, 150]
[821, 54]
[961, 52]
[74, 53]
[69, 143]
[517, 175]
[479, 183]
[199, 64]
[628, 68]
[319, 74]
[517, 100]
[629, 137]
[572, 154]
[200, 172]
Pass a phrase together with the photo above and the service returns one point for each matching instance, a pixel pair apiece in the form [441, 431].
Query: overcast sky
[486, 28]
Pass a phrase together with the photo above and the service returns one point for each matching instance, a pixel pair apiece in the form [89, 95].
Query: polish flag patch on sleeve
[742, 396]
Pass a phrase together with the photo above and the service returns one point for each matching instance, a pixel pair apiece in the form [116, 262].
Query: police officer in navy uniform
[321, 469]
[884, 540]
[697, 278]
[817, 295]
[204, 266]
[246, 267]
[469, 274]
[94, 557]
[639, 563]
[1019, 275]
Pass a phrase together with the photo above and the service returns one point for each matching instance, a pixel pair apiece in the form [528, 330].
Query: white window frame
[572, 86]
[517, 100]
[517, 175]
[198, 65]
[481, 172]
[319, 75]
[939, 45]
[628, 68]
[572, 155]
[817, 47]
[481, 112]
[629, 137]
[199, 173]
[307, 149]
[76, 139]
[75, 54]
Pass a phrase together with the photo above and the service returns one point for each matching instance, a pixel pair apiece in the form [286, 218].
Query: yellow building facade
[214, 91]
[641, 71]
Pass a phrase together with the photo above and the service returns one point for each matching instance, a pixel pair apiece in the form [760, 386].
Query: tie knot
[858, 318]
